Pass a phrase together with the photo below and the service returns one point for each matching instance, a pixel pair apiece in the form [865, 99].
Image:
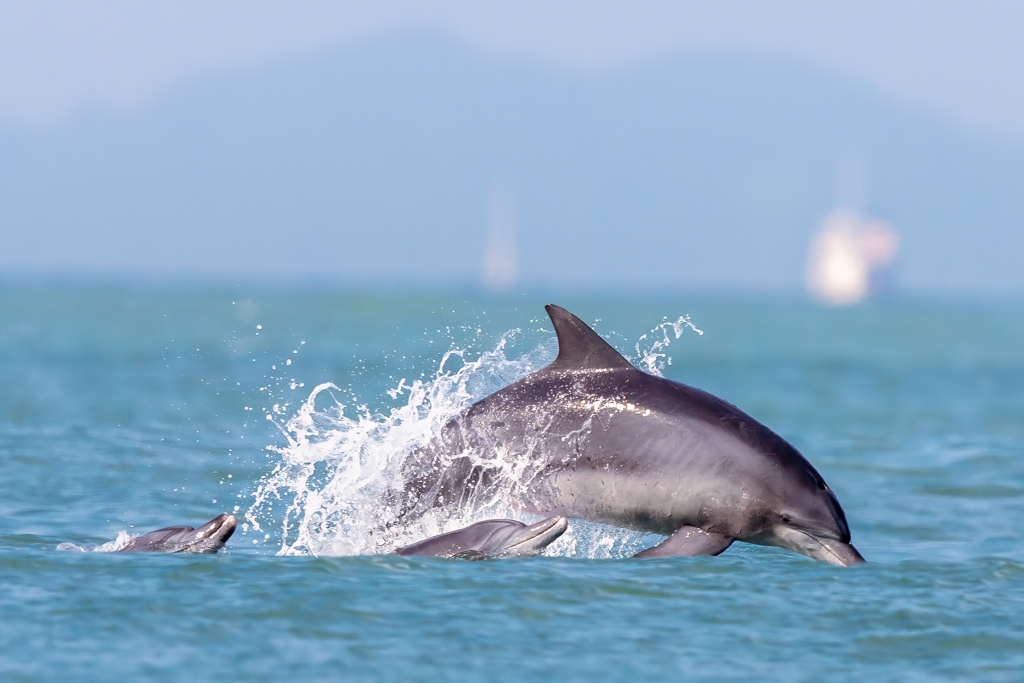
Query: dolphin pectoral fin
[689, 541]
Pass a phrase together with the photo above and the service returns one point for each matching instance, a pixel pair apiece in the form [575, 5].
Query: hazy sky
[964, 60]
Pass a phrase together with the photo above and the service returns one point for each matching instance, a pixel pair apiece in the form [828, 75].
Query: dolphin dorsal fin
[579, 347]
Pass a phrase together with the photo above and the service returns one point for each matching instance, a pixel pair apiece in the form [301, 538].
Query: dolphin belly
[641, 471]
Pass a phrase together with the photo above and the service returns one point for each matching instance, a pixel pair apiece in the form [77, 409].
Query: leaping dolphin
[603, 441]
[491, 539]
[207, 539]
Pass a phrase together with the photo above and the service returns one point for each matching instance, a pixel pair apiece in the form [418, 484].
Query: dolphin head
[211, 537]
[811, 521]
[208, 539]
[525, 540]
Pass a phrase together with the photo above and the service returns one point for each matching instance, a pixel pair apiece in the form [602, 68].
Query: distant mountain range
[374, 166]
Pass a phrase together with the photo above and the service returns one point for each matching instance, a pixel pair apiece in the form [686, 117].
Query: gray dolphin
[207, 539]
[493, 538]
[605, 442]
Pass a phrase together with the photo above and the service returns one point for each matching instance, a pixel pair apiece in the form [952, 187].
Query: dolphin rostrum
[595, 438]
[491, 539]
[207, 539]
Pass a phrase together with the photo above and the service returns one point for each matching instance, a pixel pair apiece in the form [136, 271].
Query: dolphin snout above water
[207, 539]
[823, 548]
[490, 539]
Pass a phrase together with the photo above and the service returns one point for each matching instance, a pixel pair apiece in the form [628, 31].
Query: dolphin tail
[689, 541]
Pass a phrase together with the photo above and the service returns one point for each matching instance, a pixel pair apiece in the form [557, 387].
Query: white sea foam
[123, 539]
[327, 492]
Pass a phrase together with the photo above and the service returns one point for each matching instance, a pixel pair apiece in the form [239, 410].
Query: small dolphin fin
[579, 347]
[689, 541]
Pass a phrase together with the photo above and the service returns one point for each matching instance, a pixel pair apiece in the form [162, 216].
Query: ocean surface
[127, 409]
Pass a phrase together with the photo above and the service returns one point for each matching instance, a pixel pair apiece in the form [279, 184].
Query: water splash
[654, 358]
[123, 539]
[328, 491]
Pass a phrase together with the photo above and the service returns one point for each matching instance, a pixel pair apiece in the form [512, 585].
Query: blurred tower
[501, 255]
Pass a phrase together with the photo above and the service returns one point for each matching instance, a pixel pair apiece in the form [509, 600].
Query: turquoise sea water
[128, 410]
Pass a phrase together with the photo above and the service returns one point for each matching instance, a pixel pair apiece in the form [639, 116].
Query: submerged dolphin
[493, 538]
[207, 539]
[602, 441]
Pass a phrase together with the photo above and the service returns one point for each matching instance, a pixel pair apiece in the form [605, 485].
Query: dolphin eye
[786, 519]
[821, 485]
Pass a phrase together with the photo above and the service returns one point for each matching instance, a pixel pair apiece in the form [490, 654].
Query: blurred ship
[501, 256]
[851, 258]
